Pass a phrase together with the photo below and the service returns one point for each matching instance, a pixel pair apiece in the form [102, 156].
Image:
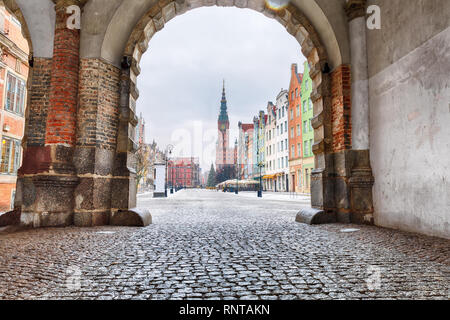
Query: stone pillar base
[131, 218]
[361, 184]
[315, 216]
[91, 219]
[48, 201]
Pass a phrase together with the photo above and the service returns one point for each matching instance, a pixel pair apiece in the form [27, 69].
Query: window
[298, 130]
[296, 92]
[306, 148]
[304, 106]
[281, 128]
[285, 126]
[310, 125]
[15, 93]
[292, 132]
[310, 104]
[299, 150]
[310, 146]
[293, 151]
[305, 126]
[298, 110]
[292, 114]
[11, 153]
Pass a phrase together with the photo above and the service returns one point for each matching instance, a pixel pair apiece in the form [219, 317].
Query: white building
[271, 148]
[282, 141]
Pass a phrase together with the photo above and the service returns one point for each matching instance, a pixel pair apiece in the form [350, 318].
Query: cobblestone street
[207, 244]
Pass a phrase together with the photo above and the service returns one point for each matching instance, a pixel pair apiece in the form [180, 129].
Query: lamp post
[171, 175]
[236, 190]
[260, 164]
[168, 152]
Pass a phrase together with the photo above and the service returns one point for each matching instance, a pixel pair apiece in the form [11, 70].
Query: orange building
[295, 130]
[13, 77]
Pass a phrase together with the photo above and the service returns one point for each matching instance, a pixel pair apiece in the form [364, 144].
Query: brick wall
[341, 108]
[98, 113]
[61, 118]
[39, 101]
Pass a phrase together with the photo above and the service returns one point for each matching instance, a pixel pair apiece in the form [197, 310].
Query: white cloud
[182, 72]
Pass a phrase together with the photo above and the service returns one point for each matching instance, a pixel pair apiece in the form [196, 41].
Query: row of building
[160, 170]
[276, 146]
[13, 95]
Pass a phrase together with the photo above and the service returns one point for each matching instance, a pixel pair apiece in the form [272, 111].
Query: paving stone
[243, 248]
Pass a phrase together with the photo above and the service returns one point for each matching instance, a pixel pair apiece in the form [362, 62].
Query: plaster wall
[409, 98]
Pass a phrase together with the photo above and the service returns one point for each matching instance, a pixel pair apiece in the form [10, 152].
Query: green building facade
[308, 131]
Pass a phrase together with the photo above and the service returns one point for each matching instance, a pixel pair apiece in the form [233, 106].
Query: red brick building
[13, 94]
[184, 172]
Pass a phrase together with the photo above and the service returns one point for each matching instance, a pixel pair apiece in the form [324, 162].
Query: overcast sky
[181, 81]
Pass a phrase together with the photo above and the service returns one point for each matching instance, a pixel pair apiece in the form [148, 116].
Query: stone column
[97, 125]
[49, 176]
[356, 10]
[361, 180]
[124, 189]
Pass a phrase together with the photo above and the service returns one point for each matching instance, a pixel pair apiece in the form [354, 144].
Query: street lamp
[236, 190]
[168, 152]
[171, 175]
[260, 164]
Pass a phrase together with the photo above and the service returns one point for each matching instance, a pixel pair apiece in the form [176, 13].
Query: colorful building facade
[270, 148]
[282, 141]
[183, 172]
[245, 151]
[307, 130]
[13, 96]
[295, 130]
[259, 167]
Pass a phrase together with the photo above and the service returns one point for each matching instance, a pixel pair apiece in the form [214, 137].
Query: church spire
[223, 117]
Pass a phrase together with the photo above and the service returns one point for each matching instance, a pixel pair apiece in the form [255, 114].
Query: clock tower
[222, 149]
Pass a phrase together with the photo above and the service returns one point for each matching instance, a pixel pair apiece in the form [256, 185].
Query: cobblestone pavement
[207, 244]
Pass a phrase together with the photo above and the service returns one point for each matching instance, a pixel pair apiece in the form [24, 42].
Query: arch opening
[297, 25]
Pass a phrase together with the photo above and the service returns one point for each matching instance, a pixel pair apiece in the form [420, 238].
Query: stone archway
[79, 155]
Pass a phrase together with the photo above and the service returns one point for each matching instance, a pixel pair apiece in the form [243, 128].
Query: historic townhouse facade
[307, 130]
[259, 143]
[282, 141]
[13, 95]
[295, 130]
[245, 150]
[270, 148]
